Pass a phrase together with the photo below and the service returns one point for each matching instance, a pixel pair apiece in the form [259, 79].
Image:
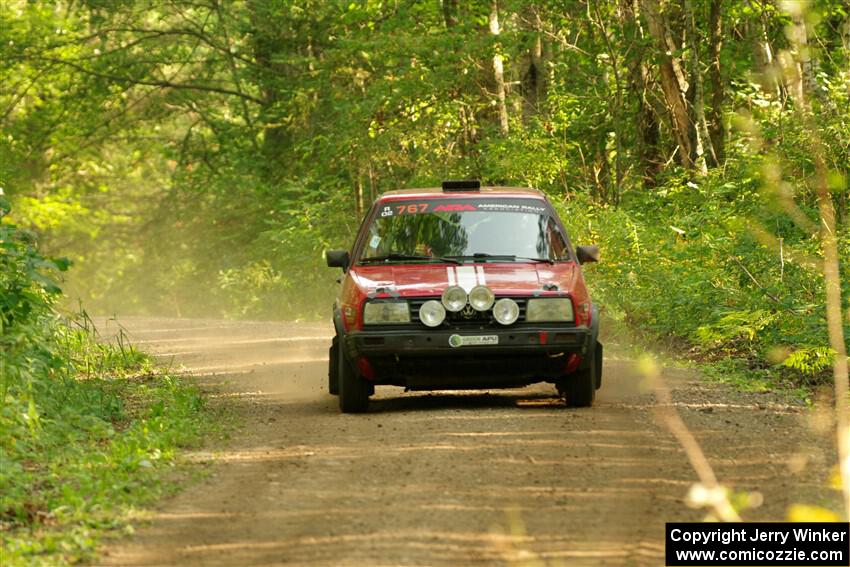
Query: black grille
[468, 317]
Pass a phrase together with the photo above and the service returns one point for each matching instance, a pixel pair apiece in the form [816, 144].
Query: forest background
[195, 158]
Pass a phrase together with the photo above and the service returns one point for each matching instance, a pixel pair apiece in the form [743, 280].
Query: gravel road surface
[450, 478]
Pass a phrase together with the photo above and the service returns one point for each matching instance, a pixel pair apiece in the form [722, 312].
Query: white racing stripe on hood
[466, 277]
[450, 274]
[480, 271]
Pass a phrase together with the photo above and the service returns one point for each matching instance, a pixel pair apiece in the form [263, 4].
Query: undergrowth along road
[100, 447]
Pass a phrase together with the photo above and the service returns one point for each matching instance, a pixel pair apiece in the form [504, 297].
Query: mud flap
[597, 360]
[333, 367]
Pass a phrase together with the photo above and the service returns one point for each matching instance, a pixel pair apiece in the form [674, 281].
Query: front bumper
[424, 358]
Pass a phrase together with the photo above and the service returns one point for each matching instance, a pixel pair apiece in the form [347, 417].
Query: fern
[736, 325]
[810, 360]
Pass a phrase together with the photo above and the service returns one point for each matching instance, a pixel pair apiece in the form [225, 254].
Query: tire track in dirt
[493, 478]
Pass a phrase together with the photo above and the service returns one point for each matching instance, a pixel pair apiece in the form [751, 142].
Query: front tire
[354, 391]
[580, 387]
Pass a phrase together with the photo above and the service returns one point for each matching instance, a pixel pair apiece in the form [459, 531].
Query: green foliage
[27, 292]
[89, 428]
[690, 263]
[101, 448]
[196, 159]
[810, 360]
[734, 326]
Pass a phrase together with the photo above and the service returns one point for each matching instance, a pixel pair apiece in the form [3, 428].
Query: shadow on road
[470, 401]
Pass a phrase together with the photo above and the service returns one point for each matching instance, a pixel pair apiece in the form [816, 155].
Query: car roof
[490, 191]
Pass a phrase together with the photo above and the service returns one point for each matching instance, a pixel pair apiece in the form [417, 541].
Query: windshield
[464, 230]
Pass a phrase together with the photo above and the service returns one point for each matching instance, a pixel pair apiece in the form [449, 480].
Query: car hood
[410, 280]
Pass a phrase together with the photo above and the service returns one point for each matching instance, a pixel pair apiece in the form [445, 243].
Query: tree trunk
[845, 33]
[799, 69]
[358, 197]
[616, 105]
[699, 133]
[498, 70]
[765, 57]
[717, 129]
[534, 78]
[267, 43]
[648, 138]
[829, 230]
[450, 13]
[673, 84]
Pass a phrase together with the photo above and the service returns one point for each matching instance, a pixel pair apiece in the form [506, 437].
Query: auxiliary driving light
[454, 298]
[432, 313]
[481, 298]
[506, 311]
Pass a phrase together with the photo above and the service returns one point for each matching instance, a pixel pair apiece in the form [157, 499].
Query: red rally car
[463, 287]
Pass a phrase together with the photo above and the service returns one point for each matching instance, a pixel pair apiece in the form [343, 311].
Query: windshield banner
[426, 206]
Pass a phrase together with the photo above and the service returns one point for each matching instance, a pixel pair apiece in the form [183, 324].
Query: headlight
[481, 298]
[506, 311]
[432, 313]
[454, 298]
[377, 312]
[550, 309]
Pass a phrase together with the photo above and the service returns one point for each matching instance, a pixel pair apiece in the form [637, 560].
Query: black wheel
[354, 391]
[580, 387]
[333, 367]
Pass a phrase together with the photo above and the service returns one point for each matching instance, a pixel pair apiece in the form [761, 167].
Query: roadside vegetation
[700, 270]
[90, 430]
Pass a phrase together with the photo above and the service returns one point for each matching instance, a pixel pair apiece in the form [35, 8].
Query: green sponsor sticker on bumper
[456, 341]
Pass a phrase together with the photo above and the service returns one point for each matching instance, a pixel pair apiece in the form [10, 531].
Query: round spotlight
[506, 311]
[432, 313]
[481, 298]
[454, 298]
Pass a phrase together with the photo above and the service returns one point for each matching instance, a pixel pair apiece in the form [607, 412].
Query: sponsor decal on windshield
[512, 208]
[450, 208]
[454, 206]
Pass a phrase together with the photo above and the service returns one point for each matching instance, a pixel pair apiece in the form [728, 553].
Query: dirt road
[508, 477]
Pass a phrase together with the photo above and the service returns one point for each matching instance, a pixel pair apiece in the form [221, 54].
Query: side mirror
[587, 254]
[338, 259]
